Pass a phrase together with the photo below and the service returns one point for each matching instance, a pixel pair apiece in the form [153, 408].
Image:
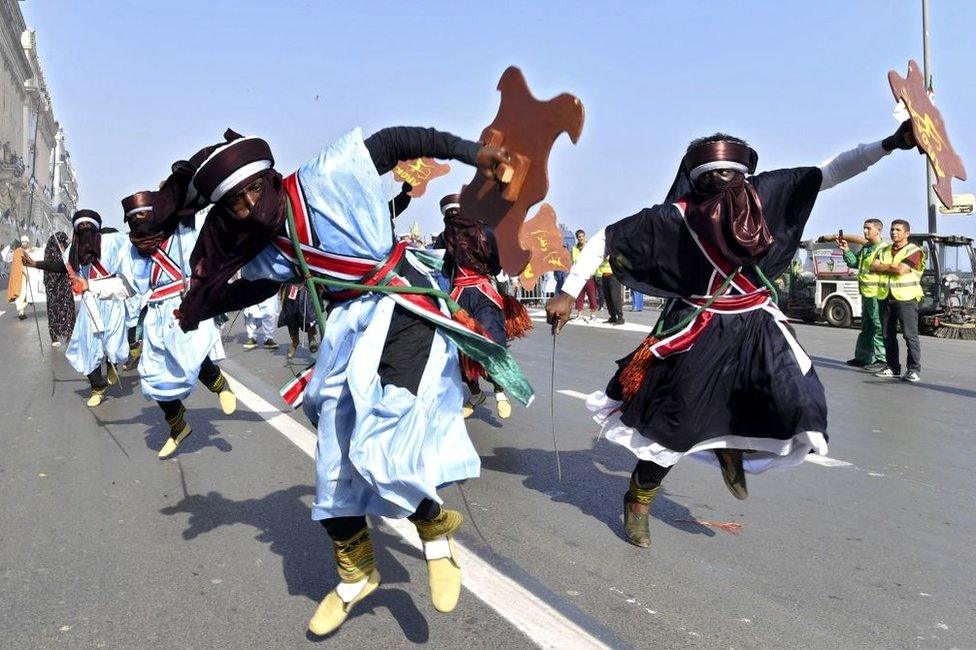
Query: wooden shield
[543, 239]
[418, 173]
[929, 130]
[527, 128]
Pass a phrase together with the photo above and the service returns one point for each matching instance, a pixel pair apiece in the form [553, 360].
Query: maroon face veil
[226, 244]
[86, 244]
[727, 215]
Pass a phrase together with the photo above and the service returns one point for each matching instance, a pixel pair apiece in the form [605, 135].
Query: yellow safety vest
[600, 271]
[902, 287]
[867, 282]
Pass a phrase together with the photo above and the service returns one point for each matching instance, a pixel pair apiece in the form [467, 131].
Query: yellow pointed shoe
[333, 610]
[228, 401]
[174, 441]
[443, 570]
[112, 375]
[443, 573]
[502, 406]
[473, 402]
[97, 397]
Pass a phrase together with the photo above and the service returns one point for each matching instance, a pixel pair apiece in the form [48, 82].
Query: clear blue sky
[140, 84]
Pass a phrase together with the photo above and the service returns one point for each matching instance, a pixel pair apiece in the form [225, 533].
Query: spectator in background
[560, 277]
[636, 301]
[17, 289]
[60, 301]
[298, 315]
[589, 288]
[613, 293]
[869, 351]
[262, 318]
[901, 265]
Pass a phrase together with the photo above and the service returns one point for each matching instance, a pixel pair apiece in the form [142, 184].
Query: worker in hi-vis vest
[869, 351]
[901, 265]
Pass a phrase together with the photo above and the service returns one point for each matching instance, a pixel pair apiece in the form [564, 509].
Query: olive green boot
[637, 513]
[730, 460]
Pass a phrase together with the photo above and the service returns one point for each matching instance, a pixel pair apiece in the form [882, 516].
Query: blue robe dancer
[99, 334]
[722, 375]
[385, 394]
[154, 260]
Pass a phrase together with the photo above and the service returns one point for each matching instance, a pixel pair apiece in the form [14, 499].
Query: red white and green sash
[349, 277]
[166, 277]
[719, 299]
[96, 271]
[465, 278]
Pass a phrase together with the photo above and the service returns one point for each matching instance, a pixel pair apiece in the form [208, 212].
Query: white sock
[349, 590]
[437, 548]
[501, 397]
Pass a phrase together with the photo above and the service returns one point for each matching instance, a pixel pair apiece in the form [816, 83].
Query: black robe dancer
[721, 374]
[470, 263]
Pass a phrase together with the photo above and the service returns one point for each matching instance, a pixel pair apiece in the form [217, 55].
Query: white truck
[825, 288]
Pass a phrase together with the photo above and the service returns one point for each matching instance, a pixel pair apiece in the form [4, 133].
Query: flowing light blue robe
[171, 358]
[87, 348]
[381, 449]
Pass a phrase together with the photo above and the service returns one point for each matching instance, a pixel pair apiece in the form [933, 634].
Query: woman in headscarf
[721, 376]
[60, 301]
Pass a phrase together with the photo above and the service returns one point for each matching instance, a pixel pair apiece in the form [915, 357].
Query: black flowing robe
[487, 313]
[740, 380]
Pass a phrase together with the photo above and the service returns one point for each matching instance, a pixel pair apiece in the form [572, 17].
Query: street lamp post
[926, 60]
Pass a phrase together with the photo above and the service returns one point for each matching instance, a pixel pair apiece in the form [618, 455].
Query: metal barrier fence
[538, 297]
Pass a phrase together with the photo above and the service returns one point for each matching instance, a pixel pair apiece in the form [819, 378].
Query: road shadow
[594, 481]
[485, 413]
[904, 385]
[127, 385]
[203, 421]
[282, 521]
[836, 364]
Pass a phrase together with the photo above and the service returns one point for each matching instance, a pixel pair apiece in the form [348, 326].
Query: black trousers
[95, 378]
[647, 474]
[342, 528]
[209, 374]
[614, 296]
[293, 331]
[905, 312]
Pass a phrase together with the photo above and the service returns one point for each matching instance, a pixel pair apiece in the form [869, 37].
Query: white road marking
[816, 459]
[528, 613]
[573, 393]
[626, 327]
[826, 461]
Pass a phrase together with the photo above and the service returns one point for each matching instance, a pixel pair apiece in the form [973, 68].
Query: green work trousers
[870, 343]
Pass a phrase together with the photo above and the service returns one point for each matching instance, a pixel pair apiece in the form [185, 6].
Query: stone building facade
[38, 186]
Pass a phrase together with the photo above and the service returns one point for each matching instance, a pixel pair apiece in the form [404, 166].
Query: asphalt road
[103, 545]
